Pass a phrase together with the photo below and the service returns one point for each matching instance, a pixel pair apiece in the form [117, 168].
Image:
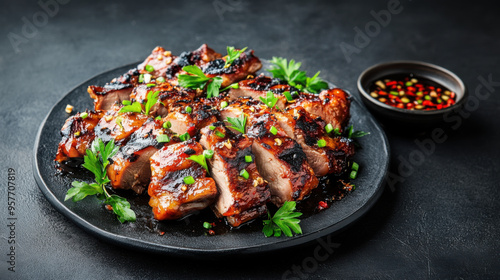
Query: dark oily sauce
[407, 91]
[329, 190]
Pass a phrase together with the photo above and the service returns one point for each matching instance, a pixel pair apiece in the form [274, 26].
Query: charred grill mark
[190, 152]
[294, 156]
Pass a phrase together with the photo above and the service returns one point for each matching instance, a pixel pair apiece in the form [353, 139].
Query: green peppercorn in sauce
[412, 93]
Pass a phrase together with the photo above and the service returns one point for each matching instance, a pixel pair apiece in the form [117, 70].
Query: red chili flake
[211, 232]
[109, 207]
[162, 233]
[322, 205]
[391, 83]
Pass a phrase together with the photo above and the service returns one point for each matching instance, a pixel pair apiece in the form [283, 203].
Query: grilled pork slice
[331, 105]
[240, 199]
[77, 135]
[332, 158]
[199, 57]
[160, 60]
[280, 159]
[259, 86]
[118, 126]
[105, 97]
[115, 92]
[173, 197]
[130, 167]
[190, 116]
[246, 64]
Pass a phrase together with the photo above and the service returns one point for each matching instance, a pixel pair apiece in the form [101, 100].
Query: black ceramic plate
[186, 237]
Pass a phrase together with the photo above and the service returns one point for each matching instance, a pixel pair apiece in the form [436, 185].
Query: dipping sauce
[412, 93]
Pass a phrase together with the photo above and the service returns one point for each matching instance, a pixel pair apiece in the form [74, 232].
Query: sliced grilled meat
[307, 131]
[259, 86]
[169, 97]
[130, 167]
[160, 60]
[77, 135]
[118, 126]
[171, 197]
[115, 92]
[240, 199]
[246, 64]
[199, 57]
[331, 105]
[188, 116]
[280, 159]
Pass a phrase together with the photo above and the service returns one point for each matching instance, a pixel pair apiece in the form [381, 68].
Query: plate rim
[145, 245]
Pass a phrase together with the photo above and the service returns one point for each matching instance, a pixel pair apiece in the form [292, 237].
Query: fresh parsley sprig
[270, 100]
[96, 160]
[238, 123]
[284, 221]
[289, 71]
[136, 107]
[198, 80]
[232, 55]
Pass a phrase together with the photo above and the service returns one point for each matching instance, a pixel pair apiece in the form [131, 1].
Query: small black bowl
[429, 71]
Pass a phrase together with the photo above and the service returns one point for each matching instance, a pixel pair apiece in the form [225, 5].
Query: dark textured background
[441, 222]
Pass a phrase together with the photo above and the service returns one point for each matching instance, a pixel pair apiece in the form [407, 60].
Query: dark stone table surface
[438, 220]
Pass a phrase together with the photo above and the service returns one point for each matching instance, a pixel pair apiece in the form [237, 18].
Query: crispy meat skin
[307, 131]
[130, 167]
[331, 105]
[73, 145]
[240, 200]
[118, 127]
[280, 159]
[169, 166]
[115, 92]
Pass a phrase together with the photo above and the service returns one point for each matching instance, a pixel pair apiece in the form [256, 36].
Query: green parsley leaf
[270, 100]
[201, 160]
[197, 79]
[134, 108]
[213, 87]
[152, 99]
[315, 84]
[232, 55]
[121, 207]
[284, 220]
[233, 85]
[238, 123]
[289, 71]
[96, 160]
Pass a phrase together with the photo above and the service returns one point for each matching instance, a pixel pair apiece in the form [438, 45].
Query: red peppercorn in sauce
[412, 93]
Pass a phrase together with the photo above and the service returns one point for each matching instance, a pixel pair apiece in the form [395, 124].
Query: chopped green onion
[427, 97]
[147, 78]
[189, 110]
[273, 130]
[185, 137]
[395, 93]
[151, 85]
[160, 80]
[353, 174]
[211, 127]
[288, 95]
[167, 125]
[248, 158]
[329, 128]
[126, 102]
[158, 118]
[162, 138]
[223, 104]
[208, 153]
[408, 84]
[337, 131]
[188, 180]
[84, 115]
[244, 174]
[207, 225]
[220, 134]
[149, 68]
[355, 166]
[321, 143]
[141, 78]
